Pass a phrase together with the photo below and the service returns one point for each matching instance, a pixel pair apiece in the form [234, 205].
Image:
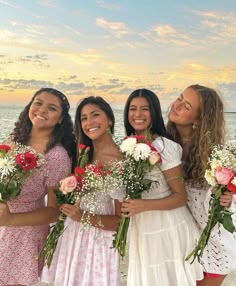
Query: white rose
[210, 179]
[154, 158]
[68, 185]
[141, 151]
[215, 163]
[128, 145]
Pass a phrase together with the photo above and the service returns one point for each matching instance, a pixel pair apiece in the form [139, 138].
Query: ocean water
[9, 114]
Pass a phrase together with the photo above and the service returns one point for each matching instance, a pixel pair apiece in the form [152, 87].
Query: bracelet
[99, 222]
[181, 178]
[85, 219]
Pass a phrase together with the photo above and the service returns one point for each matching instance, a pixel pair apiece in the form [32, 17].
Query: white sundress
[159, 241]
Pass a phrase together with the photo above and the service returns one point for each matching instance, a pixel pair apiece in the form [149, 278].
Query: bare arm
[177, 198]
[39, 216]
[106, 222]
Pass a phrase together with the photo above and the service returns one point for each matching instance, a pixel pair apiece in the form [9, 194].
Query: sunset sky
[109, 48]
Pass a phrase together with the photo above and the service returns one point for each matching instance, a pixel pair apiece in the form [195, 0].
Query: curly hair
[63, 133]
[157, 123]
[210, 131]
[105, 107]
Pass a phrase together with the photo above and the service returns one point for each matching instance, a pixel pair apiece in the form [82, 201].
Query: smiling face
[94, 121]
[185, 109]
[45, 111]
[139, 115]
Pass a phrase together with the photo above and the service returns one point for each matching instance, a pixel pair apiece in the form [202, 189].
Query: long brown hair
[63, 133]
[209, 131]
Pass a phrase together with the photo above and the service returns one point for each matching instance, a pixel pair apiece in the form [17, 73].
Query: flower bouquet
[16, 163]
[67, 193]
[98, 181]
[139, 157]
[221, 175]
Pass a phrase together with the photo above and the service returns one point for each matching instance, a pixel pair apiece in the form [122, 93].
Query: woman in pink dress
[84, 256]
[46, 126]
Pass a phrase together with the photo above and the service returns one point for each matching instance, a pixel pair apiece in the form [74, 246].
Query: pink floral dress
[84, 256]
[19, 246]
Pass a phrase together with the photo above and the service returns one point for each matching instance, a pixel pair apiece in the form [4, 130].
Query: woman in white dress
[162, 231]
[196, 121]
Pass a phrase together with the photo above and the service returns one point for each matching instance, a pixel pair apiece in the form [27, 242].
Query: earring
[194, 126]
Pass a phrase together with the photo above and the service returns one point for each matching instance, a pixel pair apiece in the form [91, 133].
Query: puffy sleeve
[58, 165]
[171, 152]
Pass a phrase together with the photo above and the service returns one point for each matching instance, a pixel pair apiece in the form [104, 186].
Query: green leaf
[218, 192]
[228, 223]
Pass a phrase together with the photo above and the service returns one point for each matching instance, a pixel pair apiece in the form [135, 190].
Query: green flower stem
[119, 242]
[215, 208]
[50, 244]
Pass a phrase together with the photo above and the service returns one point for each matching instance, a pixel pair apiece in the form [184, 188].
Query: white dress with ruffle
[159, 241]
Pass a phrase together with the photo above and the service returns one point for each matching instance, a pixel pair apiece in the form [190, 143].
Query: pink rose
[68, 185]
[223, 175]
[154, 158]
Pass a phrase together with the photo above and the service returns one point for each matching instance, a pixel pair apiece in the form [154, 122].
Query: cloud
[220, 26]
[47, 3]
[37, 59]
[74, 31]
[13, 84]
[107, 5]
[8, 4]
[118, 29]
[19, 8]
[168, 35]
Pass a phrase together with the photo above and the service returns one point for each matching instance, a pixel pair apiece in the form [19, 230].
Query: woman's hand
[226, 199]
[5, 215]
[131, 207]
[72, 211]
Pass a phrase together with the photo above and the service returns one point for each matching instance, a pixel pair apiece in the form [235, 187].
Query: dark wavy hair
[79, 133]
[157, 126]
[62, 133]
[210, 131]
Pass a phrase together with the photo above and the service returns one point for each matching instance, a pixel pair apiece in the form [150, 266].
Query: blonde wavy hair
[210, 131]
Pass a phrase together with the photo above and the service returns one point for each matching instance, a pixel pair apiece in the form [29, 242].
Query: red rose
[26, 161]
[79, 171]
[81, 146]
[4, 148]
[98, 171]
[79, 182]
[231, 187]
[99, 165]
[139, 138]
